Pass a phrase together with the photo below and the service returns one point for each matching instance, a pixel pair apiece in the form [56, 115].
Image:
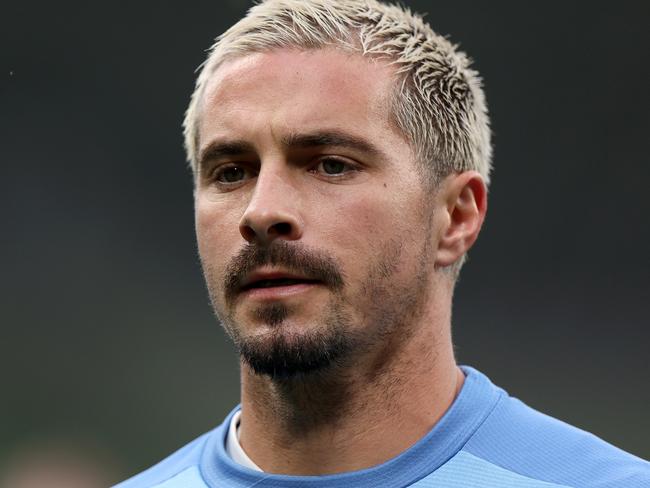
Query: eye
[334, 167]
[231, 174]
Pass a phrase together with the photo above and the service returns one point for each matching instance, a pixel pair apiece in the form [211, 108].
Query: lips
[256, 272]
[260, 280]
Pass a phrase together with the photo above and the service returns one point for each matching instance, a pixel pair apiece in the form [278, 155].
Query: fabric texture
[486, 439]
[234, 448]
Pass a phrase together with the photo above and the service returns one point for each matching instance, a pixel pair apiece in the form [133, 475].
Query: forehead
[290, 90]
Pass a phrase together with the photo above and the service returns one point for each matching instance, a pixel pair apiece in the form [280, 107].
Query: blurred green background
[107, 336]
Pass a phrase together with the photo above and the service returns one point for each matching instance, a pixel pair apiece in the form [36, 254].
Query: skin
[389, 233]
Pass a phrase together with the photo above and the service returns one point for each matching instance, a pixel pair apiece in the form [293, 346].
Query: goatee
[279, 353]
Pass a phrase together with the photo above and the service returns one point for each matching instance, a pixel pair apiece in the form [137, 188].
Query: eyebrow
[219, 149]
[333, 138]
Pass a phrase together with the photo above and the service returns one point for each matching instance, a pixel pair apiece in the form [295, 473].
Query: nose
[272, 212]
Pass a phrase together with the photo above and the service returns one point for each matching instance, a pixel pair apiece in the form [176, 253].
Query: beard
[334, 340]
[283, 355]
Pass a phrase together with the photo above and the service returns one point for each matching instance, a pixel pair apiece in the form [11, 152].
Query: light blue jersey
[487, 439]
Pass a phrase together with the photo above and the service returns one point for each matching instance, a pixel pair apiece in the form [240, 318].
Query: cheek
[217, 234]
[359, 227]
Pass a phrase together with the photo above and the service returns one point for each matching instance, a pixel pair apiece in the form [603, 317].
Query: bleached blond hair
[438, 102]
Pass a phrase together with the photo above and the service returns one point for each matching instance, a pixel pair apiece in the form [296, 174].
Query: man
[341, 153]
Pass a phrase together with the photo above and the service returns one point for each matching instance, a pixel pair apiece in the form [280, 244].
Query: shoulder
[181, 469]
[522, 440]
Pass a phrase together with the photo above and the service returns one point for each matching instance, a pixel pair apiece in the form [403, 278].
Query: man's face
[313, 223]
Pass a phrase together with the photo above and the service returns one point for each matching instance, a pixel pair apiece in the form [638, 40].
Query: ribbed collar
[473, 404]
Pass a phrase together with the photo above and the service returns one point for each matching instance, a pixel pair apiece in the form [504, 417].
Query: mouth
[277, 282]
[275, 285]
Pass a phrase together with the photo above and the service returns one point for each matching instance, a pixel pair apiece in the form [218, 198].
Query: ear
[464, 204]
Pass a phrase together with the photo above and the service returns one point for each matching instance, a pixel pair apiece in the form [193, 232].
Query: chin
[289, 349]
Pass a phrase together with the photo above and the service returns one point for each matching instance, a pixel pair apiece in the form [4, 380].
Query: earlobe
[465, 204]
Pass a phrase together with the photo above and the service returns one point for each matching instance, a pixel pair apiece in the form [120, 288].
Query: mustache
[297, 258]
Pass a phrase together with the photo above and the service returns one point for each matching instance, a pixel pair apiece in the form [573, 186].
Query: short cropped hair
[438, 102]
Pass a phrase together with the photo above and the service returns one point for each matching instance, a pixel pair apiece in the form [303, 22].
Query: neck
[357, 417]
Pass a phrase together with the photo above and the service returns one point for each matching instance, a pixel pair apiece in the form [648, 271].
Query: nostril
[247, 233]
[281, 228]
